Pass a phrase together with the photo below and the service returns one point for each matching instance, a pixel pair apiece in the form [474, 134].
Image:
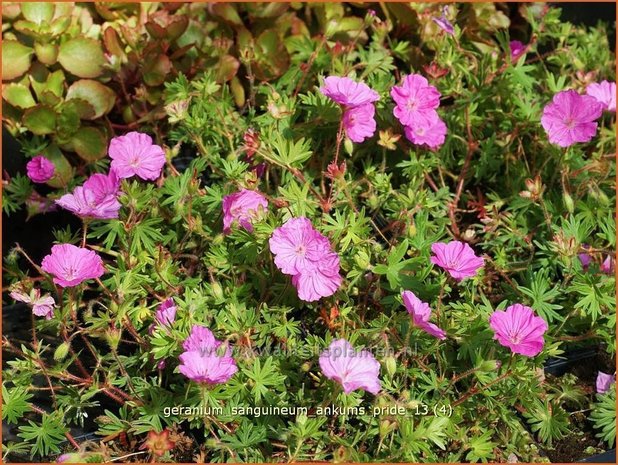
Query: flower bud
[217, 291]
[568, 202]
[61, 352]
[391, 365]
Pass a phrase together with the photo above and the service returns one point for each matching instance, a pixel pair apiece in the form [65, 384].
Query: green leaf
[47, 436]
[15, 403]
[156, 68]
[101, 98]
[38, 12]
[90, 143]
[603, 416]
[15, 59]
[40, 119]
[18, 95]
[82, 57]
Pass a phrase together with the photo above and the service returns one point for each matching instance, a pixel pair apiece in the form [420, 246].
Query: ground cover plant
[347, 232]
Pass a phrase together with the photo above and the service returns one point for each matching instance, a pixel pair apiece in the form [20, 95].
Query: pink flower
[605, 93]
[320, 280]
[432, 135]
[347, 92]
[358, 122]
[604, 382]
[166, 312]
[242, 207]
[304, 253]
[353, 370]
[607, 266]
[135, 154]
[297, 246]
[97, 198]
[570, 118]
[71, 265]
[421, 313]
[207, 369]
[201, 339]
[415, 101]
[40, 169]
[444, 23]
[519, 329]
[201, 363]
[41, 306]
[457, 258]
[585, 258]
[517, 49]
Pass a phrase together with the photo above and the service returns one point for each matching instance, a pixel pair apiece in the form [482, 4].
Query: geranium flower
[570, 118]
[519, 329]
[359, 123]
[297, 245]
[40, 169]
[421, 313]
[605, 93]
[207, 369]
[444, 23]
[97, 198]
[158, 443]
[166, 312]
[242, 207]
[71, 265]
[432, 135]
[41, 306]
[134, 154]
[517, 49]
[607, 266]
[604, 382]
[201, 363]
[415, 101]
[585, 258]
[201, 339]
[304, 253]
[353, 370]
[320, 280]
[347, 92]
[457, 258]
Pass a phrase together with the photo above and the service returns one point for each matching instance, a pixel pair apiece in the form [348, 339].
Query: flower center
[135, 162]
[412, 104]
[301, 250]
[569, 123]
[515, 338]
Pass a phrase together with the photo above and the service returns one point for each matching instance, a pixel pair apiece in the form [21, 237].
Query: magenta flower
[604, 382]
[584, 258]
[320, 280]
[605, 93]
[359, 122]
[40, 169]
[432, 135]
[166, 312]
[242, 207]
[607, 266]
[444, 23]
[304, 253]
[71, 265]
[415, 101]
[570, 118]
[201, 363]
[134, 154]
[347, 92]
[517, 49]
[41, 306]
[421, 313]
[353, 370]
[457, 258]
[207, 369]
[297, 246]
[97, 198]
[519, 329]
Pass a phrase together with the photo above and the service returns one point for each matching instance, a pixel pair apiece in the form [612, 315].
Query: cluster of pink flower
[607, 266]
[416, 103]
[357, 100]
[306, 255]
[571, 118]
[204, 360]
[133, 154]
